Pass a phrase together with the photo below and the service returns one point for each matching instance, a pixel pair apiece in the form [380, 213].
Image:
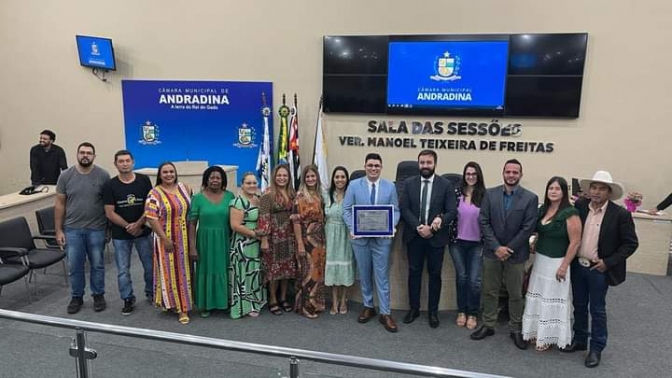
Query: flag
[293, 158]
[283, 137]
[264, 158]
[320, 154]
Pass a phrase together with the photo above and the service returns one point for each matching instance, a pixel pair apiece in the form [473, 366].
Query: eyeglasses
[374, 166]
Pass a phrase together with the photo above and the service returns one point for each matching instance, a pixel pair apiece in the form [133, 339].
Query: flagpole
[294, 156]
[283, 137]
[264, 158]
[320, 151]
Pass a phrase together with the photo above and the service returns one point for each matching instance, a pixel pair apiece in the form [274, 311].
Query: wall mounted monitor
[96, 52]
[354, 76]
[447, 75]
[546, 75]
[515, 75]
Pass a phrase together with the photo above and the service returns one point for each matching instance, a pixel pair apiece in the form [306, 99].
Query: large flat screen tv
[467, 75]
[546, 75]
[516, 75]
[354, 76]
[96, 52]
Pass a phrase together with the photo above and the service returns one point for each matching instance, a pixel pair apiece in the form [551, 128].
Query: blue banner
[461, 74]
[220, 122]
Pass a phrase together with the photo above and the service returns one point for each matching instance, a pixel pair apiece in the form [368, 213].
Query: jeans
[80, 244]
[419, 249]
[123, 248]
[589, 286]
[467, 259]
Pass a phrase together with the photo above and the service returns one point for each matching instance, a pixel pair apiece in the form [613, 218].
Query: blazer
[617, 240]
[511, 229]
[358, 194]
[441, 204]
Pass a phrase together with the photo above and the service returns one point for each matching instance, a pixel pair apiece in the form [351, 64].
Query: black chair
[405, 169]
[45, 224]
[454, 178]
[47, 228]
[10, 273]
[17, 247]
[357, 174]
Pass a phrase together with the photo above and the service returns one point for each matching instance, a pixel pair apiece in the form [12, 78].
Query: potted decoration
[632, 201]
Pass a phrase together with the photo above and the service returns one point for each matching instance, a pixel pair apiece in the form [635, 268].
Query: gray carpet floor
[639, 339]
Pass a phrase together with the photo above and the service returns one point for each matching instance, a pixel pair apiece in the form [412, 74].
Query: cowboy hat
[603, 177]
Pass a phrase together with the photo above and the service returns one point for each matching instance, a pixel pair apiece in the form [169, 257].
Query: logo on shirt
[130, 199]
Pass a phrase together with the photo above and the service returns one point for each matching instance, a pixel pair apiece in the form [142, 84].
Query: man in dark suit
[428, 202]
[609, 238]
[508, 218]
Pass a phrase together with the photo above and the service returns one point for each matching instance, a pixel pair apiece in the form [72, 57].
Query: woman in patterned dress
[340, 267]
[308, 218]
[277, 238]
[166, 210]
[247, 293]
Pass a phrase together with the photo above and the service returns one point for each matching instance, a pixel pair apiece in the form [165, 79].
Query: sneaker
[99, 302]
[75, 305]
[128, 307]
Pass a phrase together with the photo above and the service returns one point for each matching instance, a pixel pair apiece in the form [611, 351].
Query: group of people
[236, 245]
[247, 249]
[581, 248]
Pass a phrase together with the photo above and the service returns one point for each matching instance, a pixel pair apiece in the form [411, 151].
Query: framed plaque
[373, 220]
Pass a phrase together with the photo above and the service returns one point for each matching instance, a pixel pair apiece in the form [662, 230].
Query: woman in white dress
[547, 316]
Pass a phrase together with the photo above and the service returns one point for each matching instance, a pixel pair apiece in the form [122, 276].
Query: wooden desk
[654, 233]
[14, 205]
[399, 280]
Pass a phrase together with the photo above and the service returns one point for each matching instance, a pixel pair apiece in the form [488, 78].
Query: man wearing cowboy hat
[608, 239]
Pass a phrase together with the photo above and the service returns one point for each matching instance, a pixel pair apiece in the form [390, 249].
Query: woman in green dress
[247, 294]
[210, 212]
[340, 267]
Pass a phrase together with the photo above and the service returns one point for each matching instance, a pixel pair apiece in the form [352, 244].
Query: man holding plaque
[508, 218]
[371, 212]
[428, 203]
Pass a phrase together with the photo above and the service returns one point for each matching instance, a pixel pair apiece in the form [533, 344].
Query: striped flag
[293, 158]
[320, 154]
[283, 136]
[264, 158]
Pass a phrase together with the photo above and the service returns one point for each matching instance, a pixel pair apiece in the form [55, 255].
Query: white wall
[624, 113]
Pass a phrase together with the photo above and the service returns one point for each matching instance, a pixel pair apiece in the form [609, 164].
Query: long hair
[209, 171]
[158, 172]
[564, 201]
[274, 188]
[479, 188]
[303, 188]
[332, 187]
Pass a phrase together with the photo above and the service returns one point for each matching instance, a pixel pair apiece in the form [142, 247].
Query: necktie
[423, 202]
[373, 194]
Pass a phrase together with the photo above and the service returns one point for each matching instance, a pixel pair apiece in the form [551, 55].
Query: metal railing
[80, 351]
